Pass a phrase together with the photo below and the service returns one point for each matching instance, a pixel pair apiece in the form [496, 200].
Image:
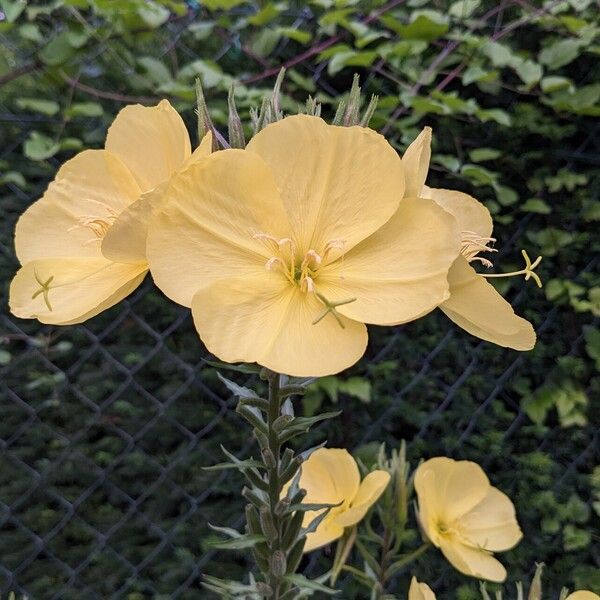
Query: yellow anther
[528, 271]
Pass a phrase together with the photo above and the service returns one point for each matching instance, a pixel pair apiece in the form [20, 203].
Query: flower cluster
[283, 250]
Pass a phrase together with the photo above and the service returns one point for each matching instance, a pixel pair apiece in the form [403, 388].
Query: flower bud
[278, 563]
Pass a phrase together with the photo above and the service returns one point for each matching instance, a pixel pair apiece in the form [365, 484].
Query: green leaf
[13, 8]
[222, 4]
[265, 15]
[31, 32]
[241, 543]
[237, 390]
[308, 584]
[463, 9]
[561, 53]
[575, 538]
[426, 25]
[479, 175]
[302, 37]
[535, 205]
[483, 154]
[529, 71]
[39, 146]
[58, 50]
[241, 368]
[14, 177]
[592, 344]
[248, 463]
[152, 14]
[499, 55]
[85, 109]
[39, 105]
[155, 70]
[555, 84]
[357, 387]
[494, 114]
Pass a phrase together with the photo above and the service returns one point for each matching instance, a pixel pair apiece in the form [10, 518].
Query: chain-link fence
[105, 427]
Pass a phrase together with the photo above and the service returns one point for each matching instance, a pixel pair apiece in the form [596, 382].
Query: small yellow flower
[419, 591]
[474, 304]
[286, 249]
[331, 476]
[583, 595]
[465, 517]
[82, 245]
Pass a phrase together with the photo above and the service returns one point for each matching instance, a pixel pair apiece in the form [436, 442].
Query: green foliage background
[104, 427]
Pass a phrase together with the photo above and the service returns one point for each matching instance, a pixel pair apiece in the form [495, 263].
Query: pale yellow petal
[492, 524]
[400, 272]
[471, 215]
[371, 488]
[326, 533]
[583, 595]
[265, 319]
[126, 240]
[202, 151]
[478, 308]
[450, 488]
[92, 185]
[63, 291]
[206, 229]
[151, 140]
[416, 163]
[419, 591]
[472, 561]
[337, 183]
[330, 475]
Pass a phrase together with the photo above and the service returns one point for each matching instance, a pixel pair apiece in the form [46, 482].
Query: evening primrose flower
[583, 595]
[286, 249]
[331, 476]
[82, 245]
[474, 304]
[465, 517]
[419, 591]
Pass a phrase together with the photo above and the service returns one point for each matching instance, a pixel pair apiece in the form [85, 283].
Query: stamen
[528, 270]
[333, 245]
[472, 244]
[98, 225]
[272, 263]
[307, 284]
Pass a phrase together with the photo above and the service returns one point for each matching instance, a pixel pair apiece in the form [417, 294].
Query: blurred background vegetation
[104, 428]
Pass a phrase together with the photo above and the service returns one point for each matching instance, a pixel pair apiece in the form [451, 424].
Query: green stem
[275, 487]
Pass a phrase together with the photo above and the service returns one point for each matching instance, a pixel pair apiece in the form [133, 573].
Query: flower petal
[400, 272]
[265, 319]
[326, 532]
[205, 229]
[330, 475]
[371, 488]
[492, 524]
[63, 291]
[419, 591]
[337, 183]
[93, 184]
[125, 241]
[449, 488]
[151, 140]
[583, 595]
[416, 163]
[473, 562]
[470, 214]
[478, 308]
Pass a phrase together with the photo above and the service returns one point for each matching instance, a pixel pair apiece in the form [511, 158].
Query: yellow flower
[474, 304]
[330, 476]
[583, 595]
[284, 250]
[465, 517]
[419, 591]
[82, 245]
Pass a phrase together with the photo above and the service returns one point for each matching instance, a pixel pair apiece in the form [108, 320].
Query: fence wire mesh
[105, 426]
